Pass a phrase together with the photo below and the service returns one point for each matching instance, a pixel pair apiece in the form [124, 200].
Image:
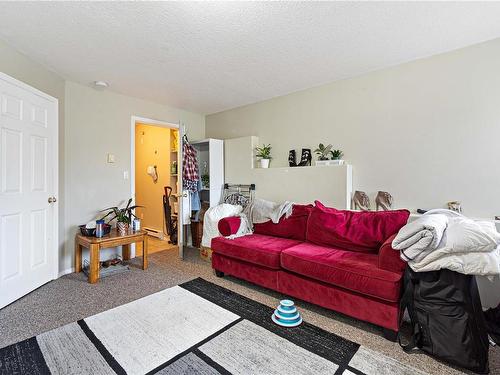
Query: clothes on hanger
[190, 174]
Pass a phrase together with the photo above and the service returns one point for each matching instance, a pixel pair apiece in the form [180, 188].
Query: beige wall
[426, 131]
[91, 124]
[152, 147]
[98, 123]
[23, 69]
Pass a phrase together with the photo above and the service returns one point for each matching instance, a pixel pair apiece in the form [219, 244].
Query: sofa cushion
[254, 248]
[229, 225]
[363, 231]
[350, 270]
[293, 227]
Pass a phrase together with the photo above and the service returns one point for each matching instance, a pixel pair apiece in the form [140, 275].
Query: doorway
[155, 182]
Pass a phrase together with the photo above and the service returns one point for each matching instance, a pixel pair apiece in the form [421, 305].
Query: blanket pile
[444, 239]
[258, 211]
[261, 211]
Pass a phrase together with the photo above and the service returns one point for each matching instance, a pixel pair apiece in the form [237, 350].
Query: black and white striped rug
[194, 328]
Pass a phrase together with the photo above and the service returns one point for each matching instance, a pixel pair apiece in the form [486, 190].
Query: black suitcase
[446, 318]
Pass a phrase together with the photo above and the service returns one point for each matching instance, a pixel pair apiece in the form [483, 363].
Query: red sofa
[338, 259]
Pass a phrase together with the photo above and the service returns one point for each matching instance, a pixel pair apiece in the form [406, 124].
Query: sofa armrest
[229, 225]
[388, 258]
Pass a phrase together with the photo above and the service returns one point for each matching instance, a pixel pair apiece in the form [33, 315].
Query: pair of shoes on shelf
[305, 158]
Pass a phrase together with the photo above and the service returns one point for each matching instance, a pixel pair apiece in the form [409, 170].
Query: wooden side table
[113, 239]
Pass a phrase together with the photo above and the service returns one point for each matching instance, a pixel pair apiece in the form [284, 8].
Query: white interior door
[181, 195]
[28, 189]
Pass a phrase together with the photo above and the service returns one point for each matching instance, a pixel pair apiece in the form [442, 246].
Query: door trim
[55, 161]
[147, 121]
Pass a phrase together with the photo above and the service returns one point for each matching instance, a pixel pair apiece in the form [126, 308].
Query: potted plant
[337, 157]
[323, 152]
[123, 216]
[264, 153]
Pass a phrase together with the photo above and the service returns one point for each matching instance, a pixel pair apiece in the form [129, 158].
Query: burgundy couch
[341, 260]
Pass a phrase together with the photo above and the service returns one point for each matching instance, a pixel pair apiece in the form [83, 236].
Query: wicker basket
[206, 254]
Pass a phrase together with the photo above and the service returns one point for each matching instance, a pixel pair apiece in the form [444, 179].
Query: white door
[181, 194]
[28, 189]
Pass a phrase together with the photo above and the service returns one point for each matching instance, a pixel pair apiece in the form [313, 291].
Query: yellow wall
[152, 147]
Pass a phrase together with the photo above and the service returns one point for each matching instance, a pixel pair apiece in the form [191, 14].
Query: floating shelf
[307, 166]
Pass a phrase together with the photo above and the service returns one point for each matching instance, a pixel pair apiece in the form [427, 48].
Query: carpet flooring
[197, 320]
[70, 298]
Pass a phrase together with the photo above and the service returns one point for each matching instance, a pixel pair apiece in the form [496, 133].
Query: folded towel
[418, 238]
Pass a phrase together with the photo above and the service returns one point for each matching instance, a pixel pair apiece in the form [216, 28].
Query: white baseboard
[66, 271]
[154, 232]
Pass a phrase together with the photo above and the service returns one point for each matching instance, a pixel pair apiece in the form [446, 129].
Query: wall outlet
[125, 175]
[111, 158]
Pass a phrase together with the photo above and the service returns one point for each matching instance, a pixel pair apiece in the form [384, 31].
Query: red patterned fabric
[293, 227]
[265, 277]
[350, 270]
[372, 310]
[189, 167]
[229, 225]
[389, 259]
[355, 231]
[254, 248]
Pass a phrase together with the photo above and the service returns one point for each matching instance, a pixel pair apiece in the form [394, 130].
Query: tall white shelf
[211, 153]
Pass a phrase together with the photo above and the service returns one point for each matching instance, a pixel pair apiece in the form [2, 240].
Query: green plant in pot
[123, 216]
[337, 156]
[205, 181]
[323, 151]
[264, 154]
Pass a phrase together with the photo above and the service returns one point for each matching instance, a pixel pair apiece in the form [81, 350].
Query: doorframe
[55, 133]
[147, 121]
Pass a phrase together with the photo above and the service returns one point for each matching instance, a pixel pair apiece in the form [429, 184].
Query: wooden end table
[113, 239]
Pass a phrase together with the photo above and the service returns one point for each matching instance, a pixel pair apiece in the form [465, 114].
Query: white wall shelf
[332, 185]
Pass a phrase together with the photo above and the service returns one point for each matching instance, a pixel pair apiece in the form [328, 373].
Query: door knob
[52, 200]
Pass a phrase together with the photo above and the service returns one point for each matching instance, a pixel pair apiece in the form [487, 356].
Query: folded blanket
[211, 219]
[418, 238]
[261, 211]
[468, 263]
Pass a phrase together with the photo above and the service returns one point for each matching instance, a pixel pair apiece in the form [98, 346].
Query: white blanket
[466, 246]
[468, 263]
[418, 238]
[261, 211]
[211, 220]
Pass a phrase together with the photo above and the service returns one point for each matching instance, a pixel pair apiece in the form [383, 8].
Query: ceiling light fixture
[101, 84]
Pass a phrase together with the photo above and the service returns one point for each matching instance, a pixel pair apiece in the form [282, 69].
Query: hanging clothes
[190, 174]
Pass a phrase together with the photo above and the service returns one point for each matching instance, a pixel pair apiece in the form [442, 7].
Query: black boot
[292, 158]
[306, 157]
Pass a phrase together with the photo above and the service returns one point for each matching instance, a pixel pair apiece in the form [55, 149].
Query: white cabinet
[210, 153]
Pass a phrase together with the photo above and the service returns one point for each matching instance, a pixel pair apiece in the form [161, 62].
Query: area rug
[194, 328]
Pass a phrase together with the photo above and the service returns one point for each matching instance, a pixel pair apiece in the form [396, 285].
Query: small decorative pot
[122, 228]
[337, 162]
[322, 162]
[264, 163]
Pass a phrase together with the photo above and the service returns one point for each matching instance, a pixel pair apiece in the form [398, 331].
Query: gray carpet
[70, 298]
[177, 327]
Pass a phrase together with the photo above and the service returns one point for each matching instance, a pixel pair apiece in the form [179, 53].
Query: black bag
[492, 317]
[446, 318]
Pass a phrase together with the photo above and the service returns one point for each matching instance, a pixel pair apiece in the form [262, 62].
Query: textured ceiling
[207, 57]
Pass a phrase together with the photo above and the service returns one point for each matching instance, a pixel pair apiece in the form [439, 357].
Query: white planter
[322, 162]
[328, 162]
[264, 163]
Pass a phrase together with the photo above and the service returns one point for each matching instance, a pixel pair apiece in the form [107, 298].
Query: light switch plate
[125, 175]
[111, 158]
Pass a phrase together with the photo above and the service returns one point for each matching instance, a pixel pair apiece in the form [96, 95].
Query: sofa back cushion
[294, 227]
[363, 231]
